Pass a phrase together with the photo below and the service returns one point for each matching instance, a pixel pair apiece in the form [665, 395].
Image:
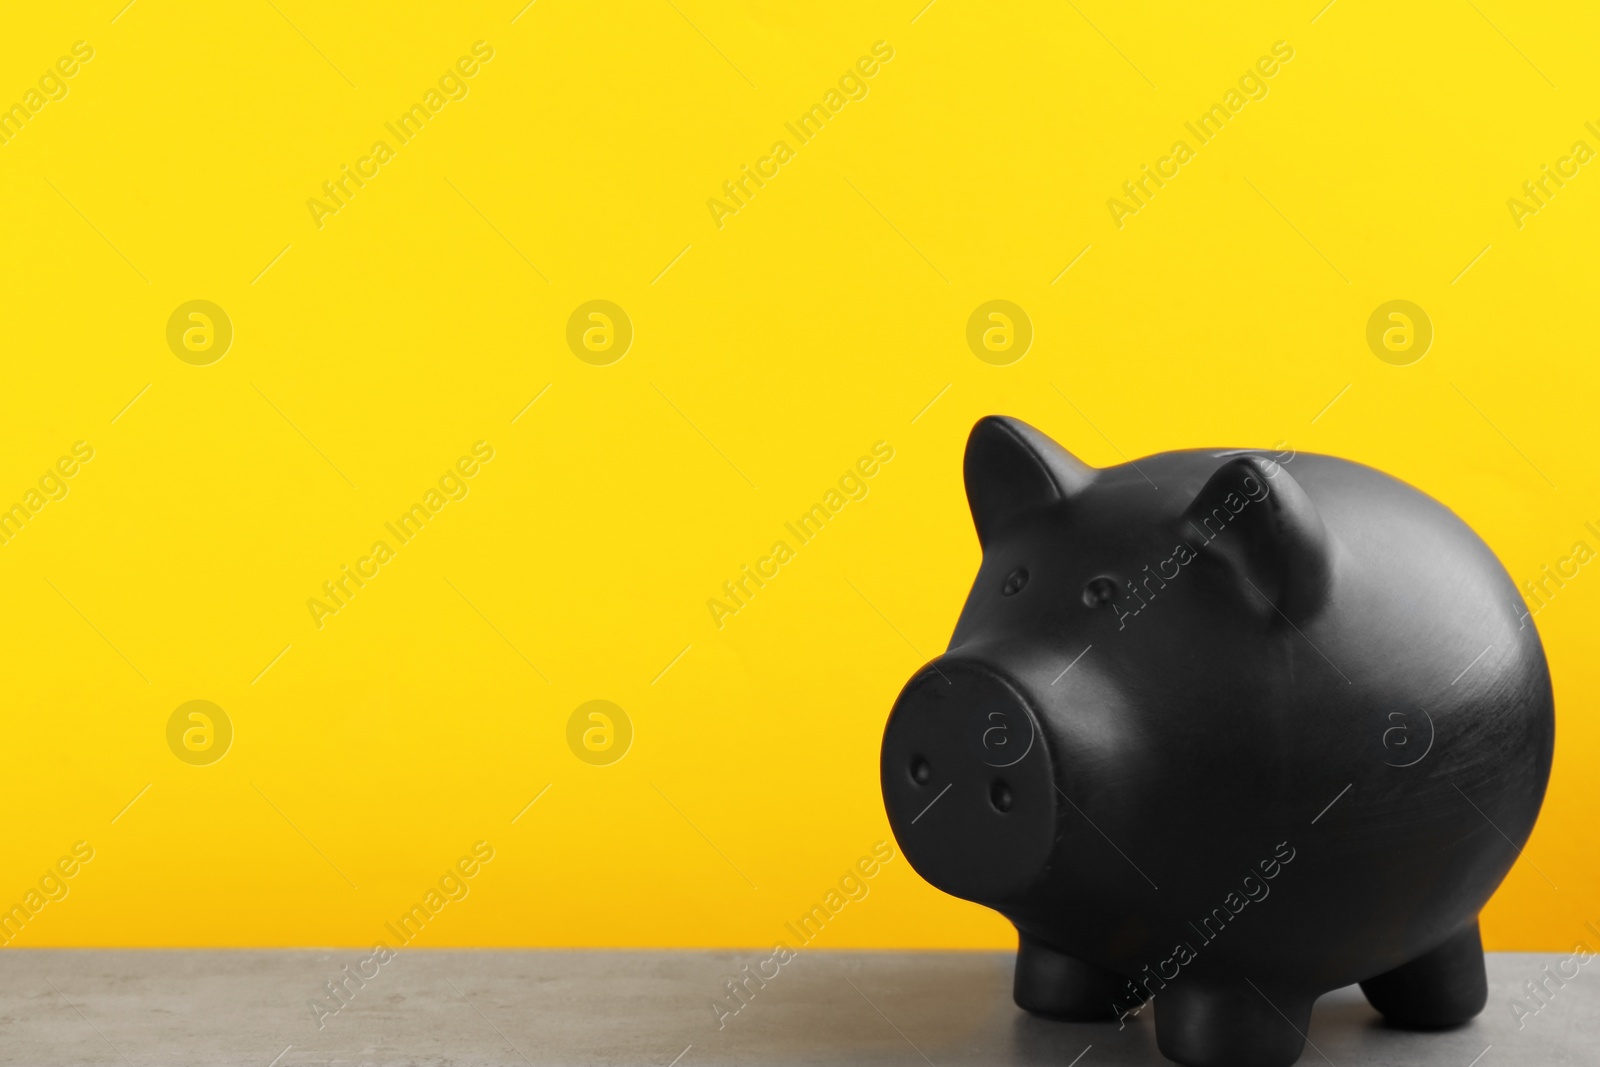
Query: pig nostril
[920, 771]
[1014, 582]
[1000, 796]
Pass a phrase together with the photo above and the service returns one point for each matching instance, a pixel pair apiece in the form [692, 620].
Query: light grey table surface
[652, 1009]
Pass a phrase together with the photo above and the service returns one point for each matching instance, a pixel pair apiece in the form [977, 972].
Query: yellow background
[823, 317]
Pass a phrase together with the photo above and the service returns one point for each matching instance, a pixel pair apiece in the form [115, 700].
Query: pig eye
[1014, 582]
[1099, 592]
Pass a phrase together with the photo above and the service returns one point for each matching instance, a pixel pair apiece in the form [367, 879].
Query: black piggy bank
[1227, 729]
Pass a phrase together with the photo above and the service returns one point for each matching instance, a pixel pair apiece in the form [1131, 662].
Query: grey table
[653, 1009]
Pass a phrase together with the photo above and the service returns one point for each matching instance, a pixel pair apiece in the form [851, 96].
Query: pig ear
[1012, 469]
[1253, 514]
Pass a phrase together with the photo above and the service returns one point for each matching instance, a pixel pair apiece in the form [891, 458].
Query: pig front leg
[1440, 989]
[1053, 984]
[1231, 1024]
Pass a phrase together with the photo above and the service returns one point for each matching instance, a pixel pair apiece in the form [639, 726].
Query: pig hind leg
[1440, 989]
[1053, 984]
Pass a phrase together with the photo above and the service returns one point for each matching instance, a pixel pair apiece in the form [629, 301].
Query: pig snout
[968, 781]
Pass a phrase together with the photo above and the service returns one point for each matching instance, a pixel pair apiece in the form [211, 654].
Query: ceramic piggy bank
[1224, 730]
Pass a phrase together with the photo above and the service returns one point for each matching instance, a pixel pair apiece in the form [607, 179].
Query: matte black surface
[1261, 725]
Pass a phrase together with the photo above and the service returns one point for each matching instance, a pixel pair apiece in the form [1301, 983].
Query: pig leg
[1054, 984]
[1443, 988]
[1231, 1024]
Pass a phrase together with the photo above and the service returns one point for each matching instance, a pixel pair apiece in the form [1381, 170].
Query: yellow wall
[820, 318]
